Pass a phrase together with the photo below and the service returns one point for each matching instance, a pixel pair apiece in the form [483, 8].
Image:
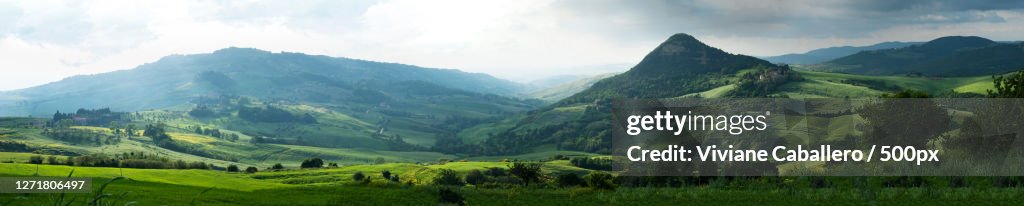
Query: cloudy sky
[45, 41]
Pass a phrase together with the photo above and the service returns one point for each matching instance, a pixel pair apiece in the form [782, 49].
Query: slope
[946, 56]
[826, 54]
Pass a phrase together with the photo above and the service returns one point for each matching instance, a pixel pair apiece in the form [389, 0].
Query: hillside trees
[1011, 86]
[273, 115]
[312, 163]
[528, 172]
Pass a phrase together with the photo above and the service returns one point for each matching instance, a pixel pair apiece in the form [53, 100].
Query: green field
[836, 85]
[204, 187]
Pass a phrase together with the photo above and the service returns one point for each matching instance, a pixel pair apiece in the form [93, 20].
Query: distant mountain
[553, 93]
[826, 54]
[946, 56]
[681, 65]
[175, 80]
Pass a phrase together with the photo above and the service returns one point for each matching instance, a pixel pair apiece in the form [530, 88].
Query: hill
[175, 80]
[679, 66]
[826, 54]
[277, 104]
[553, 93]
[946, 56]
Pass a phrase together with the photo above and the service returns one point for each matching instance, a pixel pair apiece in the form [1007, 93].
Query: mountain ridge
[173, 80]
[945, 56]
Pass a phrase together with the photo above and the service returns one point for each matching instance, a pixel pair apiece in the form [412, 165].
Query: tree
[312, 163]
[529, 172]
[358, 176]
[475, 177]
[570, 180]
[386, 174]
[1011, 86]
[448, 177]
[277, 166]
[52, 160]
[35, 159]
[600, 180]
[447, 196]
[251, 170]
[232, 168]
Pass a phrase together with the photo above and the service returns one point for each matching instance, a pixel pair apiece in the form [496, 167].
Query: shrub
[277, 166]
[570, 180]
[35, 159]
[232, 168]
[448, 196]
[358, 176]
[52, 160]
[475, 177]
[448, 177]
[495, 172]
[386, 174]
[251, 170]
[529, 172]
[600, 180]
[312, 163]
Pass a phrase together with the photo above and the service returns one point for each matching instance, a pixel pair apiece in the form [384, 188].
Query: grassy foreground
[207, 187]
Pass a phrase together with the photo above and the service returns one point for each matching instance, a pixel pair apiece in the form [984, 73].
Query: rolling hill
[679, 66]
[175, 80]
[556, 92]
[281, 99]
[826, 54]
[946, 56]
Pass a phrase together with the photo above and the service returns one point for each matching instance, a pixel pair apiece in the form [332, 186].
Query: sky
[45, 41]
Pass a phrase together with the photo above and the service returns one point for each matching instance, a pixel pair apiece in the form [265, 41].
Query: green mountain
[826, 54]
[284, 98]
[680, 66]
[175, 80]
[946, 56]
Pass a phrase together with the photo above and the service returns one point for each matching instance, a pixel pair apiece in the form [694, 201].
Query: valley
[191, 123]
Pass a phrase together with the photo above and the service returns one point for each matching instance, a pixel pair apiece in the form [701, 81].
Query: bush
[52, 160]
[495, 172]
[251, 170]
[312, 163]
[448, 177]
[448, 196]
[358, 176]
[232, 168]
[529, 172]
[35, 159]
[277, 166]
[570, 180]
[386, 174]
[600, 180]
[475, 177]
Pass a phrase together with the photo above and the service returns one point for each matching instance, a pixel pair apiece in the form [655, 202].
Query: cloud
[510, 38]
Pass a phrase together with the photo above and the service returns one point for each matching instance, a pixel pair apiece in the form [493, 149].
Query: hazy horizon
[514, 40]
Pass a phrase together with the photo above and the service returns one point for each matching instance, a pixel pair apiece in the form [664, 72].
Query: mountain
[554, 92]
[284, 98]
[175, 80]
[946, 56]
[679, 66]
[826, 54]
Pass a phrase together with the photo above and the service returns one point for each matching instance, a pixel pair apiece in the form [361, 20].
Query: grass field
[204, 187]
[836, 85]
